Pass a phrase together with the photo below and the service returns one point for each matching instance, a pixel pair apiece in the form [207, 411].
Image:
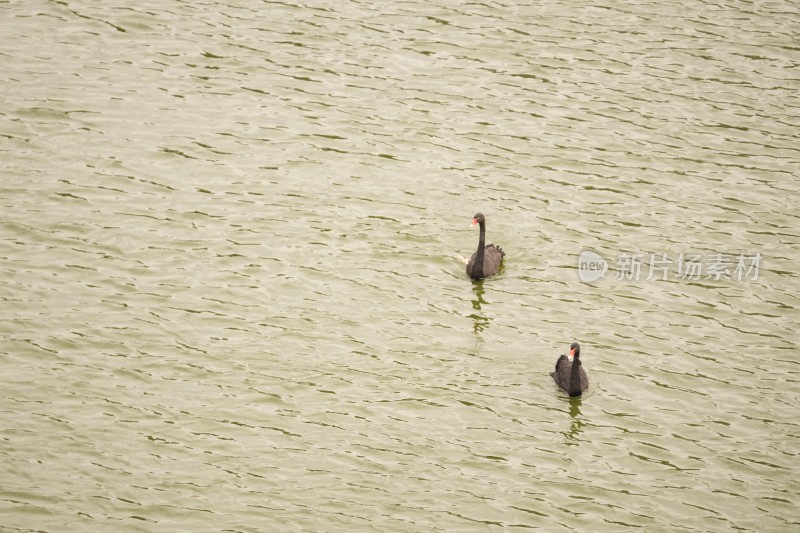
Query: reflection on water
[480, 320]
[576, 424]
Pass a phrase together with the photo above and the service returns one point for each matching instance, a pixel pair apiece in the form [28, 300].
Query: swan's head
[478, 218]
[574, 350]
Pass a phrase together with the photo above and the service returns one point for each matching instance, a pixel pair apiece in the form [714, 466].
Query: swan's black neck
[477, 266]
[575, 376]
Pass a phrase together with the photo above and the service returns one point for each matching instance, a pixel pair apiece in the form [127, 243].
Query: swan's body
[486, 260]
[569, 373]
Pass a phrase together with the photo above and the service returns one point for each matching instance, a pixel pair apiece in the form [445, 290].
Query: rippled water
[231, 291]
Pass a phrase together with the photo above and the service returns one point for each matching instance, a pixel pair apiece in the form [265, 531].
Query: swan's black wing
[561, 373]
[561, 361]
[492, 257]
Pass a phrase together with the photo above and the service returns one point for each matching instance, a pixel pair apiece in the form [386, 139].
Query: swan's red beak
[474, 221]
[572, 353]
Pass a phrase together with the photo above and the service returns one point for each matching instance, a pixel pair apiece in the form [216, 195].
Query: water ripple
[228, 256]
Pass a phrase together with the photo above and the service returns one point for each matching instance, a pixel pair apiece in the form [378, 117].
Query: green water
[231, 293]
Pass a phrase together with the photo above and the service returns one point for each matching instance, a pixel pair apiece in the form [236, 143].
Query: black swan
[569, 373]
[486, 261]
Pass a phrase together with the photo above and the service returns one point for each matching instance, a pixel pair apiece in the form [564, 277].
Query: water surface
[231, 291]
